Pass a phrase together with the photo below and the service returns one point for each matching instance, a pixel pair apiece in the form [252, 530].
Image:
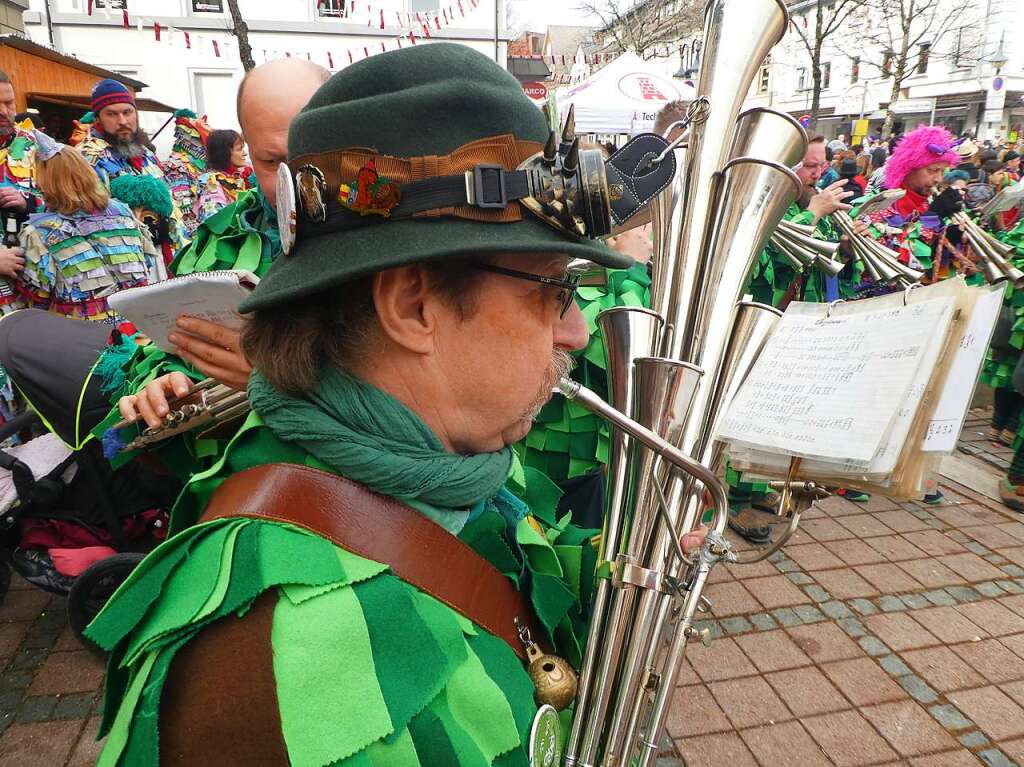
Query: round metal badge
[544, 749]
[286, 221]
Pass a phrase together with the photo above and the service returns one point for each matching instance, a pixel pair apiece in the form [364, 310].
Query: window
[923, 53]
[887, 62]
[207, 6]
[801, 78]
[854, 70]
[967, 47]
[334, 8]
[114, 5]
[763, 76]
[826, 75]
[418, 6]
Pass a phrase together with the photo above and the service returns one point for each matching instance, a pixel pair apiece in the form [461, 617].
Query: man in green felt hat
[372, 566]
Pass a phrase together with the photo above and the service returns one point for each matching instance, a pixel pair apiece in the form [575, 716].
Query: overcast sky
[536, 15]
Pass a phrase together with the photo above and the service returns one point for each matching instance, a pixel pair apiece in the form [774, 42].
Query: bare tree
[908, 27]
[829, 17]
[241, 31]
[646, 26]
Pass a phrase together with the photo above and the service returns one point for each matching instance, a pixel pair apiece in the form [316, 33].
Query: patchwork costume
[185, 164]
[340, 659]
[218, 189]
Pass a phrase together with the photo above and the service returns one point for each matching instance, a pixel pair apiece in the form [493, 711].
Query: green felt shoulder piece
[368, 668]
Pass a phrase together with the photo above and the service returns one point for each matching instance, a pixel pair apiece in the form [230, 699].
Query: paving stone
[74, 706]
[963, 593]
[888, 578]
[23, 605]
[874, 646]
[864, 606]
[835, 609]
[42, 744]
[895, 548]
[950, 717]
[730, 598]
[15, 680]
[852, 626]
[993, 711]
[891, 604]
[973, 739]
[977, 548]
[915, 601]
[827, 530]
[800, 579]
[749, 702]
[997, 619]
[763, 622]
[996, 758]
[934, 543]
[1015, 643]
[971, 566]
[1014, 571]
[786, 617]
[817, 593]
[772, 651]
[736, 625]
[991, 589]
[894, 666]
[908, 728]
[844, 584]
[992, 660]
[787, 566]
[949, 625]
[995, 559]
[847, 739]
[67, 672]
[694, 712]
[26, 660]
[809, 613]
[824, 642]
[784, 743]
[862, 681]
[854, 552]
[775, 591]
[806, 691]
[918, 689]
[36, 709]
[722, 660]
[715, 750]
[930, 573]
[714, 628]
[900, 520]
[1011, 587]
[899, 631]
[1015, 690]
[943, 669]
[959, 758]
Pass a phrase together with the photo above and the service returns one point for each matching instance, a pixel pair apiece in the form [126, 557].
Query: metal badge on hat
[312, 188]
[370, 194]
[286, 218]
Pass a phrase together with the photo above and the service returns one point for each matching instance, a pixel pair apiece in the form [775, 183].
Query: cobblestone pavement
[888, 634]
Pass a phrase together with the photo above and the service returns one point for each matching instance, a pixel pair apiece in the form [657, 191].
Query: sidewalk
[888, 634]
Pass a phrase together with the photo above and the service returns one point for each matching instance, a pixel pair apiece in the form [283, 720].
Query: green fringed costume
[368, 670]
[773, 278]
[567, 440]
[242, 235]
[1000, 364]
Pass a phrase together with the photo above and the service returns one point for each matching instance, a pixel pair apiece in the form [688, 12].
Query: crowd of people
[411, 354]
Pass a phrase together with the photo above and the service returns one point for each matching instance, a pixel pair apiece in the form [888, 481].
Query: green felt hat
[421, 101]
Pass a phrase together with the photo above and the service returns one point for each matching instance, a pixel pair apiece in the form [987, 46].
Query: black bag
[1003, 330]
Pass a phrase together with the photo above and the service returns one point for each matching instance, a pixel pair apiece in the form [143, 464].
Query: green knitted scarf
[370, 437]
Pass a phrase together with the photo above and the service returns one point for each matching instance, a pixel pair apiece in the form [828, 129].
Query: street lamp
[689, 61]
[999, 58]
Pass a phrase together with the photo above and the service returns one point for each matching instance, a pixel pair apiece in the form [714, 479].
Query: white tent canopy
[623, 97]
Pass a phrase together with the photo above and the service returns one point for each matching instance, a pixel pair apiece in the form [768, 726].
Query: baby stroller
[69, 523]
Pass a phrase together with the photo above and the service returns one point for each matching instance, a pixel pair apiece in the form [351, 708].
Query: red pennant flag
[353, 6]
[574, 58]
[437, 23]
[330, 60]
[563, 60]
[412, 38]
[382, 19]
[216, 49]
[188, 43]
[382, 48]
[419, 18]
[462, 11]
[156, 30]
[124, 18]
[426, 30]
[90, 8]
[287, 55]
[350, 57]
[366, 53]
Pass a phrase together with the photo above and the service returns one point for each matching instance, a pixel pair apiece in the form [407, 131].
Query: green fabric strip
[468, 753]
[331, 703]
[400, 752]
[478, 705]
[432, 743]
[117, 737]
[502, 666]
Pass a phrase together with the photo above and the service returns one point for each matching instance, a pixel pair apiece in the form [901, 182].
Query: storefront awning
[142, 104]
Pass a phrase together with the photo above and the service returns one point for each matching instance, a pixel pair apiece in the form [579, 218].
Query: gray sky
[536, 15]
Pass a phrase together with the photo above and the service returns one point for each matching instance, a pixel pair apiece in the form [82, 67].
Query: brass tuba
[672, 371]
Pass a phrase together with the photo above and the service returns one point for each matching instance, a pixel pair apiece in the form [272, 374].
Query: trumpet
[672, 371]
[994, 255]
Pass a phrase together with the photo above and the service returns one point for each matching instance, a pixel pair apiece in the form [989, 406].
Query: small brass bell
[554, 680]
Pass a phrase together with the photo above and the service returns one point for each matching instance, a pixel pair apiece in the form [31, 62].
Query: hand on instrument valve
[12, 261]
[829, 200]
[694, 540]
[213, 350]
[151, 402]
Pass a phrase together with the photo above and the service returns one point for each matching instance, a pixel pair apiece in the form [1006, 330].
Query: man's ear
[406, 307]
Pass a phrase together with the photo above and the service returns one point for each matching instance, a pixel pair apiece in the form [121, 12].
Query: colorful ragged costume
[218, 189]
[186, 163]
[73, 263]
[150, 201]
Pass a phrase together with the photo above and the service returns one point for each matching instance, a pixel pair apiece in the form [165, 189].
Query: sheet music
[948, 420]
[833, 387]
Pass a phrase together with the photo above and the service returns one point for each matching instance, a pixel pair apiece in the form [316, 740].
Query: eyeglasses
[569, 283]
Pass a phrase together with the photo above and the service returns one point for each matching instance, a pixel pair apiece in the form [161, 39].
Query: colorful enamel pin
[312, 188]
[370, 194]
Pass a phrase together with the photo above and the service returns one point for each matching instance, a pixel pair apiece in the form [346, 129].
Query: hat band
[116, 97]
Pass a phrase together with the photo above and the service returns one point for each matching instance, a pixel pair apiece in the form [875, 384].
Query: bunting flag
[216, 49]
[90, 7]
[330, 59]
[156, 30]
[188, 41]
[124, 18]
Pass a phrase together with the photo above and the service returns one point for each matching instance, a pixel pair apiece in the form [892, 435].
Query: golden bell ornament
[554, 680]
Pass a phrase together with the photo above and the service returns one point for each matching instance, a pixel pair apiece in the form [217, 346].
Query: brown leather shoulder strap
[373, 526]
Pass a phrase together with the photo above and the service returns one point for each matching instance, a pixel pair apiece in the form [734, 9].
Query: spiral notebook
[214, 296]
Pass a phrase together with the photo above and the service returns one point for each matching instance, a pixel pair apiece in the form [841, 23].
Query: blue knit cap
[107, 92]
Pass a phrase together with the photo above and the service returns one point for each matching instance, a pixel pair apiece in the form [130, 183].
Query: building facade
[967, 74]
[184, 50]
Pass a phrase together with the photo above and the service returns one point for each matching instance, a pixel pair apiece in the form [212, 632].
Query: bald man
[268, 98]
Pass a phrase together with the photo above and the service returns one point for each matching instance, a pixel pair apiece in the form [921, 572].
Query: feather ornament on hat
[923, 146]
[46, 147]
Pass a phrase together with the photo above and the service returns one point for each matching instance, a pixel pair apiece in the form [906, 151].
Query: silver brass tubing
[628, 333]
[769, 135]
[783, 247]
[813, 244]
[805, 229]
[989, 249]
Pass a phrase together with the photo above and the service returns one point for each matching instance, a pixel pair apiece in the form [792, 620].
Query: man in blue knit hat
[117, 146]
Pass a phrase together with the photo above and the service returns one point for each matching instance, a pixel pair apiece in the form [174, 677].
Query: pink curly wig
[921, 147]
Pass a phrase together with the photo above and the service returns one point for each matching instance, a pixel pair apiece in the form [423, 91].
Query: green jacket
[368, 670]
[1000, 364]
